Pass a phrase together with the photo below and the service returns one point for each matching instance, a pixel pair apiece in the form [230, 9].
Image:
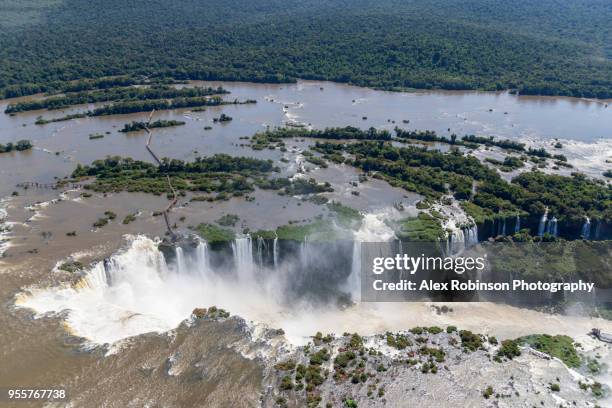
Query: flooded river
[585, 126]
[40, 349]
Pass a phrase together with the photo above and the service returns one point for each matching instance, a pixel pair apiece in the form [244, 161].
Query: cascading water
[373, 229]
[517, 224]
[542, 224]
[202, 258]
[126, 295]
[243, 257]
[304, 256]
[504, 227]
[552, 227]
[471, 236]
[586, 228]
[261, 246]
[181, 266]
[275, 252]
[353, 281]
[457, 241]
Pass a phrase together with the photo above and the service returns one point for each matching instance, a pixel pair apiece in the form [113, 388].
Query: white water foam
[136, 292]
[373, 229]
[5, 228]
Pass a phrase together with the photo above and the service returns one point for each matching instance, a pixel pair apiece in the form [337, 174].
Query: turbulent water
[373, 229]
[136, 291]
[548, 226]
[4, 229]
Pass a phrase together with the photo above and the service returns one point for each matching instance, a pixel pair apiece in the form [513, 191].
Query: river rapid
[56, 323]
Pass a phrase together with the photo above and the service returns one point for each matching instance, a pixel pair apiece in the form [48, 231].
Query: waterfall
[373, 229]
[542, 225]
[181, 267]
[471, 236]
[275, 252]
[504, 227]
[202, 258]
[457, 241]
[517, 224]
[552, 227]
[261, 246]
[243, 257]
[598, 229]
[586, 228]
[353, 282]
[304, 254]
[107, 267]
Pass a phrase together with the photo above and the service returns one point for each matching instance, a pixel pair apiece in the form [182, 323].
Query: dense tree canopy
[544, 47]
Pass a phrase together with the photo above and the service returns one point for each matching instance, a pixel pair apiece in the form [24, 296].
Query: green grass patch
[214, 234]
[423, 228]
[561, 347]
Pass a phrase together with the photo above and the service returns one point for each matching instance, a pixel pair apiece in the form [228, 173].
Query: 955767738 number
[33, 394]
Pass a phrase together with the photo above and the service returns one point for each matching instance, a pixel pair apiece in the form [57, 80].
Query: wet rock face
[425, 368]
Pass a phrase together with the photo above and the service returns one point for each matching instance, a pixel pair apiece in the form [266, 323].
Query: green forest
[546, 47]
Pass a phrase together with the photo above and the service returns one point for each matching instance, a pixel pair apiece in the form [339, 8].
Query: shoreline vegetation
[537, 48]
[214, 178]
[480, 190]
[483, 193]
[20, 146]
[126, 107]
[160, 123]
[114, 94]
[221, 174]
[368, 369]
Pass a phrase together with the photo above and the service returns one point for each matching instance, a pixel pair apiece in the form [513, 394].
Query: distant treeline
[146, 106]
[541, 47]
[105, 82]
[19, 146]
[113, 94]
[136, 126]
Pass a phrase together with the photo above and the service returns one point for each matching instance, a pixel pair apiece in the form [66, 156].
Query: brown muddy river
[48, 351]
[585, 125]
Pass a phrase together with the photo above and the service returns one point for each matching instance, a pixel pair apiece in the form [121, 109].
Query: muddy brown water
[42, 352]
[585, 124]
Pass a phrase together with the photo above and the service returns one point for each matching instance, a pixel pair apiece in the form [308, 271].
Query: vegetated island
[146, 106]
[480, 190]
[160, 123]
[221, 176]
[114, 94]
[20, 146]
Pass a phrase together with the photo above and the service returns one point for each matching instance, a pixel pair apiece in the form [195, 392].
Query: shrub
[509, 349]
[286, 383]
[287, 365]
[469, 340]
